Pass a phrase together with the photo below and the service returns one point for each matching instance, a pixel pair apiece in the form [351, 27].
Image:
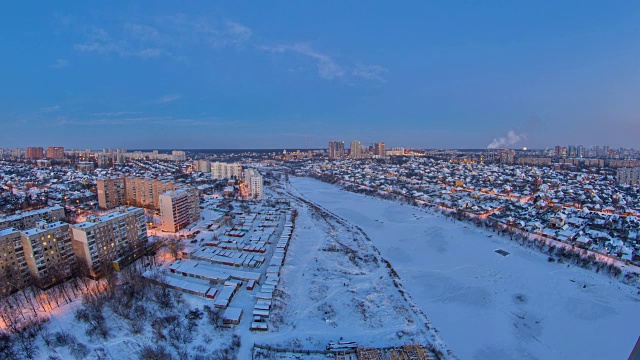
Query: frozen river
[486, 305]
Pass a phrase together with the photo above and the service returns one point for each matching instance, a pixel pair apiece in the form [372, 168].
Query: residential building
[101, 240]
[396, 151]
[48, 252]
[336, 149]
[202, 166]
[55, 152]
[178, 155]
[254, 182]
[111, 192]
[629, 176]
[34, 153]
[355, 152]
[379, 149]
[29, 219]
[221, 171]
[507, 157]
[14, 273]
[118, 191]
[179, 208]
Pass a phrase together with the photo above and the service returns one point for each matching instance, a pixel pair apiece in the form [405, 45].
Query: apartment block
[336, 149]
[34, 153]
[202, 166]
[221, 171]
[111, 192]
[380, 149]
[355, 152]
[55, 152]
[48, 252]
[179, 208]
[29, 219]
[254, 182]
[13, 264]
[629, 176]
[101, 240]
[114, 192]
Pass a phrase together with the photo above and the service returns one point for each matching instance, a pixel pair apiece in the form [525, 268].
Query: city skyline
[272, 76]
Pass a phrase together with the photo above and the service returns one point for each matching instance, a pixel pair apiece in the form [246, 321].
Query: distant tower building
[629, 176]
[572, 151]
[55, 152]
[354, 152]
[580, 151]
[379, 149]
[507, 157]
[34, 153]
[336, 149]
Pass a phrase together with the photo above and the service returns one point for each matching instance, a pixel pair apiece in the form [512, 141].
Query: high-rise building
[380, 150]
[336, 149]
[179, 208]
[507, 157]
[101, 240]
[178, 155]
[111, 192]
[48, 252]
[55, 152]
[13, 263]
[254, 182]
[580, 151]
[28, 220]
[202, 166]
[572, 151]
[354, 151]
[629, 176]
[34, 153]
[221, 171]
[140, 192]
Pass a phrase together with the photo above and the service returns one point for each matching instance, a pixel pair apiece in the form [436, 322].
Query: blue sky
[165, 74]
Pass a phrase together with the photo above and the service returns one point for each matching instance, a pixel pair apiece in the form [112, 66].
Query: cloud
[370, 72]
[168, 99]
[116, 113]
[326, 66]
[511, 139]
[100, 41]
[60, 63]
[50, 109]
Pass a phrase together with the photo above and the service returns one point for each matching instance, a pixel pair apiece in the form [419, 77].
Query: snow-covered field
[486, 305]
[335, 288]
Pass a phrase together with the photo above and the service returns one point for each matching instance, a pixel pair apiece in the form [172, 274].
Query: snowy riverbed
[486, 305]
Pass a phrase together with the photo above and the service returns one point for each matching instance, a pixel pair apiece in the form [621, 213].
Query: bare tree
[175, 246]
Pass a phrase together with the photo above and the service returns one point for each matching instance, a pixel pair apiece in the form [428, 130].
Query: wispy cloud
[101, 42]
[370, 72]
[50, 109]
[326, 66]
[116, 113]
[170, 37]
[60, 63]
[168, 99]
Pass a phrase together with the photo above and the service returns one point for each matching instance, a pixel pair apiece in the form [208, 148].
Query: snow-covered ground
[486, 305]
[333, 287]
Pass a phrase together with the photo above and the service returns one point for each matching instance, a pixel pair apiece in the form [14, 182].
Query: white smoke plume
[511, 139]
